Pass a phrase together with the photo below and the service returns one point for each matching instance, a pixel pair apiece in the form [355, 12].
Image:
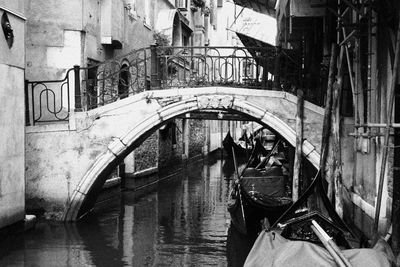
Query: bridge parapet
[155, 67]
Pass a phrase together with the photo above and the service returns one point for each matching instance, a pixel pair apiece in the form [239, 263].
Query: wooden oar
[239, 187]
[332, 248]
[270, 154]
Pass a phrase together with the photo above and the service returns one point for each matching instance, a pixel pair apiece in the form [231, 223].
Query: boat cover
[271, 249]
[269, 183]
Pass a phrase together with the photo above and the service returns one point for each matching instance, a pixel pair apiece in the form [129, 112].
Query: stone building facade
[91, 34]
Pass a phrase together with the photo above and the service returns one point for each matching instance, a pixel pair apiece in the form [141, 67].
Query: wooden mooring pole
[386, 142]
[326, 127]
[299, 145]
[336, 180]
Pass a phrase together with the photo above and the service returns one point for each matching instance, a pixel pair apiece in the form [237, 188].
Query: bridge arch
[85, 193]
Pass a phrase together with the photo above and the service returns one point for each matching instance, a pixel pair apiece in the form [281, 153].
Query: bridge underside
[80, 157]
[216, 115]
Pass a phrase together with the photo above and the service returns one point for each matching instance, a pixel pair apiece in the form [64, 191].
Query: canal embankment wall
[165, 151]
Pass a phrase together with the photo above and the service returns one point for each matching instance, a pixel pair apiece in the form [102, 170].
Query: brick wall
[146, 154]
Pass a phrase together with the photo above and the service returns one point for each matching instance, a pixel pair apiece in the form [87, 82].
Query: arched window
[123, 84]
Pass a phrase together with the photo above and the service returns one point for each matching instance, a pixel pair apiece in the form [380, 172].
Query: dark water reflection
[184, 222]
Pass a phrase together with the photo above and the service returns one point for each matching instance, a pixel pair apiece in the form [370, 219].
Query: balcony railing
[85, 88]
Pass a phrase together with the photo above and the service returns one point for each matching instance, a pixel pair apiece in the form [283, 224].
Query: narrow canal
[182, 222]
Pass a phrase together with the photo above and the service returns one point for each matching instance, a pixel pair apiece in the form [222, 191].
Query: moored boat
[228, 143]
[258, 194]
[293, 240]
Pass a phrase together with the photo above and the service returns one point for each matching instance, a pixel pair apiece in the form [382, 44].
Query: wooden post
[326, 128]
[154, 73]
[396, 181]
[221, 128]
[387, 134]
[336, 180]
[78, 93]
[185, 137]
[299, 145]
[27, 118]
[277, 62]
[122, 174]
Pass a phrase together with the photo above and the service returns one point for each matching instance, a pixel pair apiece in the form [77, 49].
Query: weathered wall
[197, 137]
[63, 34]
[146, 154]
[51, 49]
[12, 118]
[57, 155]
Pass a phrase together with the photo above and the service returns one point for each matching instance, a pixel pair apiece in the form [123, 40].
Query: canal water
[182, 222]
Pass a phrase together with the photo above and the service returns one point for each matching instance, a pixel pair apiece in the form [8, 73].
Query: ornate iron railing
[158, 68]
[115, 79]
[48, 101]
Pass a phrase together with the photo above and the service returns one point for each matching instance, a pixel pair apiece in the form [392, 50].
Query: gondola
[228, 143]
[259, 192]
[295, 222]
[293, 241]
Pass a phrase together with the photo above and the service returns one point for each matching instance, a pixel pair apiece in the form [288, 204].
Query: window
[185, 40]
[91, 83]
[123, 84]
[220, 3]
[181, 4]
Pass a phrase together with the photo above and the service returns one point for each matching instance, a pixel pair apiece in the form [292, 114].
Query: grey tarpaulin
[271, 249]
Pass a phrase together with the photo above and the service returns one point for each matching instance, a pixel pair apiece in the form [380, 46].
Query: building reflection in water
[184, 222]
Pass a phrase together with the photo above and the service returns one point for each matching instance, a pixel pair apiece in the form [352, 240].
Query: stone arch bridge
[67, 164]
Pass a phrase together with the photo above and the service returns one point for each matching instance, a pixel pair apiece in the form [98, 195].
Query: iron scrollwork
[160, 67]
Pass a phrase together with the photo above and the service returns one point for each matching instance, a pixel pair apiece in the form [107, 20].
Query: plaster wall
[57, 156]
[46, 37]
[12, 118]
[223, 18]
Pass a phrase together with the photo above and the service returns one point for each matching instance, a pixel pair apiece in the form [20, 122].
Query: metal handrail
[159, 67]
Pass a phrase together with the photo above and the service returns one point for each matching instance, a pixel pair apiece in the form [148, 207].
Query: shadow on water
[183, 222]
[238, 247]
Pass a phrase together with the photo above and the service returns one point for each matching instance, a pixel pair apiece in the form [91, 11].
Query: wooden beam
[336, 186]
[299, 145]
[214, 115]
[387, 133]
[351, 78]
[350, 4]
[328, 104]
